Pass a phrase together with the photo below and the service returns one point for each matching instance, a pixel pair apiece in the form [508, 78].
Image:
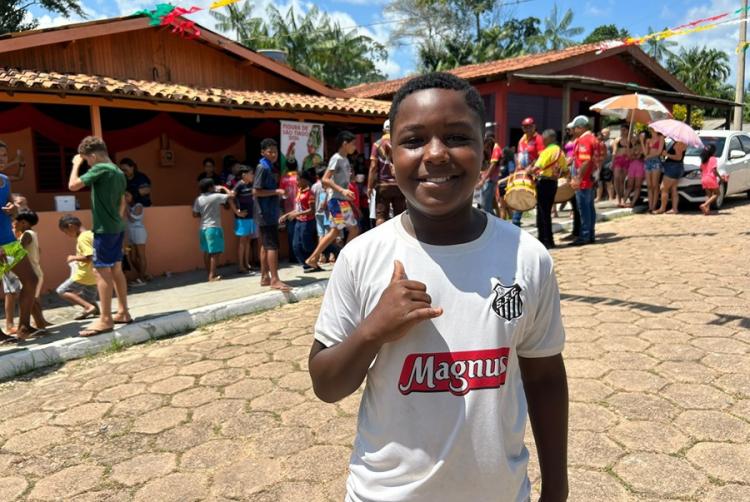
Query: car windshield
[708, 140]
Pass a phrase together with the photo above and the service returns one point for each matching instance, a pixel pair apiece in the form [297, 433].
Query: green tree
[315, 45]
[13, 12]
[606, 32]
[559, 33]
[703, 70]
[661, 50]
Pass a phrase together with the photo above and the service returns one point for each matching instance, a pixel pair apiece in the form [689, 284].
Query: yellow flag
[222, 3]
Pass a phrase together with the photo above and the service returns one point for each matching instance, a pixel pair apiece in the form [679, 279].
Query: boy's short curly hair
[92, 145]
[439, 80]
[28, 216]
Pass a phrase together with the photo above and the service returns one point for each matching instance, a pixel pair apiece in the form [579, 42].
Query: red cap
[527, 121]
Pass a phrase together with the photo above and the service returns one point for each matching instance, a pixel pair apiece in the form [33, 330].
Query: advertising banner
[304, 142]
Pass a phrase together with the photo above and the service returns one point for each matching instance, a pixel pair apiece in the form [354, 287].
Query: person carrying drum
[547, 169]
[529, 147]
[490, 175]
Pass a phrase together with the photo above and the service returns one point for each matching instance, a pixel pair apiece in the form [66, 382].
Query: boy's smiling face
[437, 151]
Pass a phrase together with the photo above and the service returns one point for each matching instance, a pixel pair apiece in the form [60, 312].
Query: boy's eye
[411, 142]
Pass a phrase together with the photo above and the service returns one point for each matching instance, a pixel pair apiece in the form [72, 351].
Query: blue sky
[366, 16]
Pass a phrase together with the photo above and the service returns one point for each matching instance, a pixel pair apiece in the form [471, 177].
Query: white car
[733, 159]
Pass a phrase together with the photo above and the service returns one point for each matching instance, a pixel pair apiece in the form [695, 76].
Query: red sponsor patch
[454, 372]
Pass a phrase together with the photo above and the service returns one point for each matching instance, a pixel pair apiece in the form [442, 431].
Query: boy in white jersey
[454, 317]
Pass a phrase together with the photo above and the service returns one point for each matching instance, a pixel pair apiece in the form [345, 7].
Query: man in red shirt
[584, 153]
[530, 145]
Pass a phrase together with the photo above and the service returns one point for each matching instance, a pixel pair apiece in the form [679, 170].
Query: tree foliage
[702, 69]
[315, 44]
[558, 33]
[660, 50]
[606, 32]
[14, 12]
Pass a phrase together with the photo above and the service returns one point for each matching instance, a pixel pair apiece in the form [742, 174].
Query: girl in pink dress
[709, 178]
[636, 173]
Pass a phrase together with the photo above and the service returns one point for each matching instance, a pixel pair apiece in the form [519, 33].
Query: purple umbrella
[678, 131]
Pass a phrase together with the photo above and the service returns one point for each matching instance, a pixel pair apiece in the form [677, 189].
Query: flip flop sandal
[93, 332]
[131, 321]
[312, 270]
[6, 339]
[86, 315]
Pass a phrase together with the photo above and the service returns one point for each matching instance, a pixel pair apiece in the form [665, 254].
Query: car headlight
[693, 175]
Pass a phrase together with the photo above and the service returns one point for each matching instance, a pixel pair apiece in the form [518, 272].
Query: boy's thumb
[398, 271]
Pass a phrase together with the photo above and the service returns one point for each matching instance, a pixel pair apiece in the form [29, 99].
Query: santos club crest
[507, 303]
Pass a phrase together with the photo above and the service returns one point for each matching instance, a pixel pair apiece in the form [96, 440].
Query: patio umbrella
[678, 131]
[633, 108]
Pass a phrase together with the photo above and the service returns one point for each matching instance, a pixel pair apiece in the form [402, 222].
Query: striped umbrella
[633, 108]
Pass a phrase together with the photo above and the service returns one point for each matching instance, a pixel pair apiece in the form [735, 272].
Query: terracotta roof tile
[481, 70]
[17, 79]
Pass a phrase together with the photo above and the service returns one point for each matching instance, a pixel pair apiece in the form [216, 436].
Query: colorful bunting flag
[169, 15]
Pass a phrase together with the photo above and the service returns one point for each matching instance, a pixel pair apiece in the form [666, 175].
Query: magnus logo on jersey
[507, 303]
[454, 372]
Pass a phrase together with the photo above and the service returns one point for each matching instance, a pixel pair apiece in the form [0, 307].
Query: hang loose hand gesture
[403, 305]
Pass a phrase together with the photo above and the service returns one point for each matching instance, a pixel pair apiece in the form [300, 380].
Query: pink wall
[172, 242]
[175, 185]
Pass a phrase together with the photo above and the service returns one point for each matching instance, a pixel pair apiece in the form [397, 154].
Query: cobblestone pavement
[658, 355]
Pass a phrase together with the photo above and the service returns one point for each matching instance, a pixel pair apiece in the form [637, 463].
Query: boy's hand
[72, 258]
[404, 304]
[282, 219]
[280, 192]
[9, 209]
[77, 160]
[348, 194]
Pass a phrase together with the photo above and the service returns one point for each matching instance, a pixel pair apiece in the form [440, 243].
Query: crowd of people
[595, 166]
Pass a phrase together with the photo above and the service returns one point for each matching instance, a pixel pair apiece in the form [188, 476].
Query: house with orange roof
[166, 102]
[553, 87]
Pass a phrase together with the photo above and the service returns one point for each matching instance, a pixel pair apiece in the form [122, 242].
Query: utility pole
[740, 91]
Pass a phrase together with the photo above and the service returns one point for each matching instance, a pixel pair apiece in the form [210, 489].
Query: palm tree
[703, 70]
[659, 49]
[558, 34]
[250, 30]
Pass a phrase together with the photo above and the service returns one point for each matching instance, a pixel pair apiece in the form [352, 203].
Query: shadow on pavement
[597, 300]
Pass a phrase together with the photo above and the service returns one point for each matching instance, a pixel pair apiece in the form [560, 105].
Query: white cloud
[600, 9]
[51, 21]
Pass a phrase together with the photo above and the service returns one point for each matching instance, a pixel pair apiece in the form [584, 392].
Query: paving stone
[640, 406]
[590, 486]
[721, 345]
[244, 478]
[154, 374]
[121, 392]
[249, 360]
[649, 436]
[276, 369]
[172, 385]
[137, 405]
[276, 401]
[663, 336]
[659, 474]
[588, 390]
[12, 487]
[697, 396]
[24, 423]
[685, 372]
[337, 431]
[160, 419]
[628, 361]
[82, 414]
[283, 441]
[176, 487]
[194, 397]
[319, 463]
[143, 467]
[34, 440]
[249, 424]
[635, 380]
[183, 437]
[67, 483]
[737, 384]
[585, 368]
[213, 454]
[592, 449]
[298, 381]
[67, 401]
[309, 414]
[724, 461]
[675, 352]
[218, 411]
[727, 493]
[713, 426]
[201, 368]
[741, 409]
[222, 377]
[105, 381]
[293, 491]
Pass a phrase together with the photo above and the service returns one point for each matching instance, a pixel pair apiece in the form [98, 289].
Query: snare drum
[521, 192]
[565, 192]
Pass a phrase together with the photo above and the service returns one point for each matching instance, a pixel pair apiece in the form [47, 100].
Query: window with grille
[53, 164]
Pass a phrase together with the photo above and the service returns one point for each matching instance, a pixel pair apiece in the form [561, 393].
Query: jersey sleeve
[333, 163]
[89, 177]
[340, 313]
[545, 335]
[196, 207]
[497, 154]
[86, 244]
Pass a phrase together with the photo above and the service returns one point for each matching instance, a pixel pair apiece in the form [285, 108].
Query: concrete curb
[608, 215]
[23, 361]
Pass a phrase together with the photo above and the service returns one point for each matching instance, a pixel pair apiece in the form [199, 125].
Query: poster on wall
[304, 142]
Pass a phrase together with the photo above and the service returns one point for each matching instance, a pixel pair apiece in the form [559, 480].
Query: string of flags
[165, 14]
[699, 25]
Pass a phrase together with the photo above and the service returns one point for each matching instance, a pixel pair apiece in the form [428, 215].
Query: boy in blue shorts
[207, 207]
[337, 178]
[108, 184]
[453, 316]
[244, 225]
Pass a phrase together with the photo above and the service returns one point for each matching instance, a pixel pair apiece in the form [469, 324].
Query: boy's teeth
[438, 180]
